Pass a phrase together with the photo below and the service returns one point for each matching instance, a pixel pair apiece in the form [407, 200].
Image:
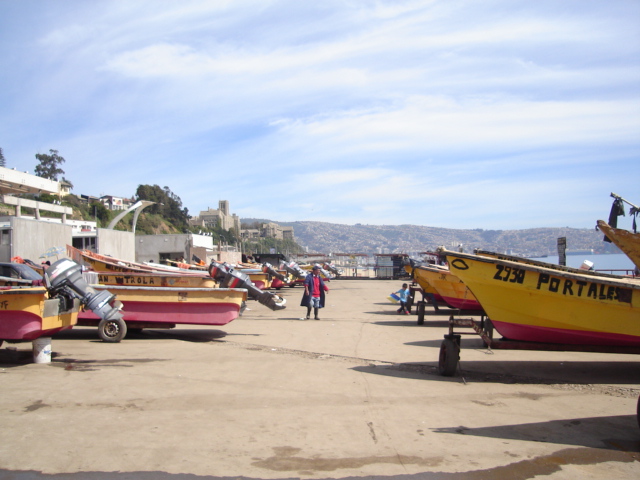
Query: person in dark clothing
[314, 292]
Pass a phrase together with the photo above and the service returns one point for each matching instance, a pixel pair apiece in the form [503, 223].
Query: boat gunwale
[613, 280]
[538, 263]
[167, 289]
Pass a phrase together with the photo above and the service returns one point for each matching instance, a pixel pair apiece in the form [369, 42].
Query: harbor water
[619, 263]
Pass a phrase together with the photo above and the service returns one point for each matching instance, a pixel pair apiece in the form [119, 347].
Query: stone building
[221, 217]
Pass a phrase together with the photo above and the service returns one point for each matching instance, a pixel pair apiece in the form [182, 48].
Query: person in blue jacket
[314, 292]
[404, 293]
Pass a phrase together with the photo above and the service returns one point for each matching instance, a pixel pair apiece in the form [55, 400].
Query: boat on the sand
[533, 303]
[165, 307]
[31, 312]
[449, 287]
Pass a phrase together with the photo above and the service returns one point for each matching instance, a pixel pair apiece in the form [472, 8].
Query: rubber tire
[420, 311]
[112, 331]
[638, 412]
[449, 356]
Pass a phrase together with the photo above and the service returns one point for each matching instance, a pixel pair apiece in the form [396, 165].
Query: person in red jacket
[314, 292]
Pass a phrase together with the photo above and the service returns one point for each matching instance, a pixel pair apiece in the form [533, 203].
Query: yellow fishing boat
[154, 279]
[538, 304]
[625, 240]
[28, 313]
[448, 286]
[421, 279]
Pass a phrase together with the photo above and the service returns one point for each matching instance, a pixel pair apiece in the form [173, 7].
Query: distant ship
[587, 251]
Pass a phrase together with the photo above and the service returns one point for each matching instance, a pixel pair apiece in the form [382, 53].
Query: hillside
[324, 237]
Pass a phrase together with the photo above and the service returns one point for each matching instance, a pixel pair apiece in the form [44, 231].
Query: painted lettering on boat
[4, 305]
[509, 274]
[582, 288]
[128, 280]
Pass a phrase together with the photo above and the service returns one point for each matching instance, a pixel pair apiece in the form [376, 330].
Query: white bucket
[586, 265]
[42, 350]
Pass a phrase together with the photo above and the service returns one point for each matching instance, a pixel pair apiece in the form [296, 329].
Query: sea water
[618, 262]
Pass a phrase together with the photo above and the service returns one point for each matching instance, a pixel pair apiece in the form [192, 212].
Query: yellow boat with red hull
[533, 303]
[27, 313]
[449, 287]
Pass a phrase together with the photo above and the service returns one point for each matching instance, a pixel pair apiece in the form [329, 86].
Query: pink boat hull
[529, 333]
[462, 304]
[172, 313]
[18, 325]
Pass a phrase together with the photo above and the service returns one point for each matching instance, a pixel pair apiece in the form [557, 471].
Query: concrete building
[221, 217]
[182, 247]
[268, 230]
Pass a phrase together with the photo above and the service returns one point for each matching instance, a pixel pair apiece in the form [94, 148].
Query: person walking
[404, 293]
[314, 292]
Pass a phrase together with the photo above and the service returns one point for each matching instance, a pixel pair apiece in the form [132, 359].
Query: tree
[49, 165]
[3, 163]
[168, 204]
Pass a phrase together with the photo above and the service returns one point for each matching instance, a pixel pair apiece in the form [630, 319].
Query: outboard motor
[230, 278]
[295, 270]
[268, 268]
[64, 278]
[333, 269]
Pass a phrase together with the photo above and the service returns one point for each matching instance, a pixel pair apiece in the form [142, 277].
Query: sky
[446, 113]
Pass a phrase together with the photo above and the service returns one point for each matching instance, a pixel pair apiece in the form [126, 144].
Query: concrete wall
[117, 244]
[32, 238]
[149, 247]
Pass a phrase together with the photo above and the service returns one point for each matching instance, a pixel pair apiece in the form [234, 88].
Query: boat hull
[530, 303]
[165, 305]
[447, 286]
[29, 313]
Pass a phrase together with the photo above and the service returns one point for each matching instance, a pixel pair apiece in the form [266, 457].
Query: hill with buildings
[322, 237]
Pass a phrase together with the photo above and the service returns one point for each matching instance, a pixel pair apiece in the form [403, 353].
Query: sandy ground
[356, 394]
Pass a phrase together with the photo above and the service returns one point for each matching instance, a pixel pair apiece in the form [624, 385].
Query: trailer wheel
[420, 311]
[449, 356]
[112, 331]
[638, 412]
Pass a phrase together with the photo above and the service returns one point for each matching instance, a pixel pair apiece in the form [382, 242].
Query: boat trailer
[450, 348]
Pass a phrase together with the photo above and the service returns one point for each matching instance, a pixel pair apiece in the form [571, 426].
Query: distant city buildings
[268, 230]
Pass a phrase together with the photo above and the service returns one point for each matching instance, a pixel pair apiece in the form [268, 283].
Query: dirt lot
[356, 394]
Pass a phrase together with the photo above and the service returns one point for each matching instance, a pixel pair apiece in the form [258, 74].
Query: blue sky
[458, 114]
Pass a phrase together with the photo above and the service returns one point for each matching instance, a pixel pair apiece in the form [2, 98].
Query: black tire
[638, 412]
[112, 331]
[449, 356]
[420, 311]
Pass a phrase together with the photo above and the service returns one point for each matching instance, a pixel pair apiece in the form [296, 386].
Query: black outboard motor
[64, 278]
[230, 278]
[268, 268]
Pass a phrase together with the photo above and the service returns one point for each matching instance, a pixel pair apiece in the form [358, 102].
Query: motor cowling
[64, 277]
[230, 278]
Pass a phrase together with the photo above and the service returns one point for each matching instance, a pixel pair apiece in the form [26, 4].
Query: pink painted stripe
[529, 333]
